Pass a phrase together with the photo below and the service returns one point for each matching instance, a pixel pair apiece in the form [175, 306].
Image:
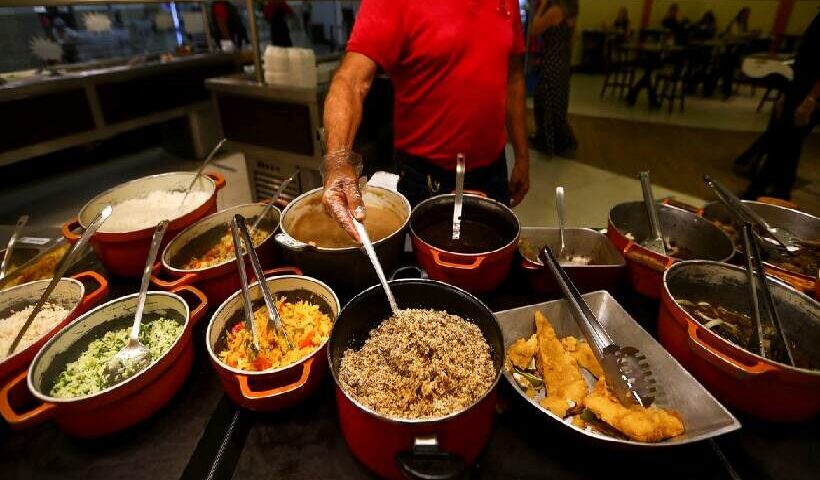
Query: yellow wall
[594, 14]
[802, 14]
[761, 18]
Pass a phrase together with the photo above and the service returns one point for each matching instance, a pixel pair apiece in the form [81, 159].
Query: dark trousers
[421, 179]
[776, 177]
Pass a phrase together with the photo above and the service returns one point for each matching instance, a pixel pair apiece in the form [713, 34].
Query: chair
[619, 69]
[672, 80]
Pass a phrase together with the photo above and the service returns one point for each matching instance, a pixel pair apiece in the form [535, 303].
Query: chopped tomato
[262, 363]
[307, 340]
[238, 327]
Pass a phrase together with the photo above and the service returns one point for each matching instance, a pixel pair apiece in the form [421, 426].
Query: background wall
[761, 18]
[803, 13]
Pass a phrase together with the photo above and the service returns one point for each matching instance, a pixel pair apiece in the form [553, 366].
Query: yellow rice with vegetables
[305, 325]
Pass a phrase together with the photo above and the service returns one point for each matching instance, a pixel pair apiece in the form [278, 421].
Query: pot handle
[441, 262]
[169, 285]
[478, 193]
[428, 462]
[275, 272]
[250, 394]
[412, 270]
[93, 297]
[18, 389]
[218, 179]
[528, 265]
[722, 361]
[648, 260]
[201, 305]
[683, 206]
[68, 230]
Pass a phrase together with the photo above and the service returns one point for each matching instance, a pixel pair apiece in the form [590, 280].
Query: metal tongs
[4, 267]
[745, 214]
[239, 228]
[65, 263]
[655, 241]
[626, 369]
[756, 276]
[459, 200]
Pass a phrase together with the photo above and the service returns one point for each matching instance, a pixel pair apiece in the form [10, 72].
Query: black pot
[431, 448]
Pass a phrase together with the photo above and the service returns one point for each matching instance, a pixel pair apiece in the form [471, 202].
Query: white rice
[146, 211]
[50, 315]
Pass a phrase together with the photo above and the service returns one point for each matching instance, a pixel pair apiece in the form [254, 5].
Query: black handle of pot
[428, 462]
[408, 271]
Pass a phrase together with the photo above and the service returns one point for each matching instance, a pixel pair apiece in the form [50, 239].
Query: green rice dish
[84, 376]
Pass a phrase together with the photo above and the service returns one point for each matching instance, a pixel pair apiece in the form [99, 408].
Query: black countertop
[201, 434]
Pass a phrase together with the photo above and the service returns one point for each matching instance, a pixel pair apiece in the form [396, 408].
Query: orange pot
[114, 408]
[275, 389]
[746, 381]
[70, 293]
[124, 253]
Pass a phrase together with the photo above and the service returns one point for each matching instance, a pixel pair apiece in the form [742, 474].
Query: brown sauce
[315, 227]
[476, 237]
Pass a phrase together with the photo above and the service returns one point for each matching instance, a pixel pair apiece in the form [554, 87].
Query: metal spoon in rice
[135, 356]
[238, 227]
[371, 253]
[65, 263]
[200, 169]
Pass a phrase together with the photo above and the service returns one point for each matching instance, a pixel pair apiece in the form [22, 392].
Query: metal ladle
[458, 204]
[135, 356]
[745, 214]
[276, 195]
[756, 276]
[201, 168]
[65, 263]
[371, 253]
[240, 229]
[4, 267]
[655, 242]
[626, 369]
[559, 207]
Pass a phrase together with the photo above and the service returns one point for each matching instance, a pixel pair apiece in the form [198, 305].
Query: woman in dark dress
[554, 20]
[276, 12]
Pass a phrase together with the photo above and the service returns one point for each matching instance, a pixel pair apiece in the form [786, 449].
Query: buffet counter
[80, 104]
[202, 434]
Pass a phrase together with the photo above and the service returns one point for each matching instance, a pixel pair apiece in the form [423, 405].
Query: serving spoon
[655, 242]
[780, 236]
[559, 206]
[627, 370]
[4, 267]
[240, 229]
[756, 277]
[274, 198]
[135, 356]
[458, 204]
[374, 259]
[201, 168]
[65, 263]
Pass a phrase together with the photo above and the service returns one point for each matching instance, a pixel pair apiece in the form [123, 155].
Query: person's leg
[785, 174]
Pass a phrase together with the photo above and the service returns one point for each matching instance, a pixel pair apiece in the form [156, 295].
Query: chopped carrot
[307, 340]
[238, 327]
[262, 363]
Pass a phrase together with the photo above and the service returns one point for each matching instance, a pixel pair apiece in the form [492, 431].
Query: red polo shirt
[448, 62]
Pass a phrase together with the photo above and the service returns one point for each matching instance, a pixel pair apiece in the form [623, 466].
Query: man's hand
[342, 198]
[804, 111]
[519, 181]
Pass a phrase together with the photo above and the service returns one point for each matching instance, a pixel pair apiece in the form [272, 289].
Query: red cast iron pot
[474, 272]
[114, 408]
[738, 377]
[437, 448]
[703, 239]
[70, 293]
[279, 388]
[219, 281]
[123, 253]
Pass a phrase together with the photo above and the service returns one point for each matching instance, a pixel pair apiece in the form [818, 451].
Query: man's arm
[343, 114]
[517, 129]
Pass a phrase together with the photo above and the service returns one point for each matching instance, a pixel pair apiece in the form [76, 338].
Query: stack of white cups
[290, 66]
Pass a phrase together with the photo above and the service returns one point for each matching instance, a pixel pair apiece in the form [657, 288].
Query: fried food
[522, 351]
[566, 387]
[638, 423]
[582, 353]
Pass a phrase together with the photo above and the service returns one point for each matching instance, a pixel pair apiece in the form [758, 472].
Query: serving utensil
[655, 242]
[65, 263]
[274, 198]
[201, 168]
[559, 206]
[743, 213]
[627, 371]
[459, 200]
[21, 222]
[240, 229]
[756, 276]
[374, 259]
[135, 356]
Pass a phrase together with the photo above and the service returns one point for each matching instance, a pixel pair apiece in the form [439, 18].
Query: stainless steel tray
[703, 416]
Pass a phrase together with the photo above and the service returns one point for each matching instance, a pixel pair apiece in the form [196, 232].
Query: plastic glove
[342, 198]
